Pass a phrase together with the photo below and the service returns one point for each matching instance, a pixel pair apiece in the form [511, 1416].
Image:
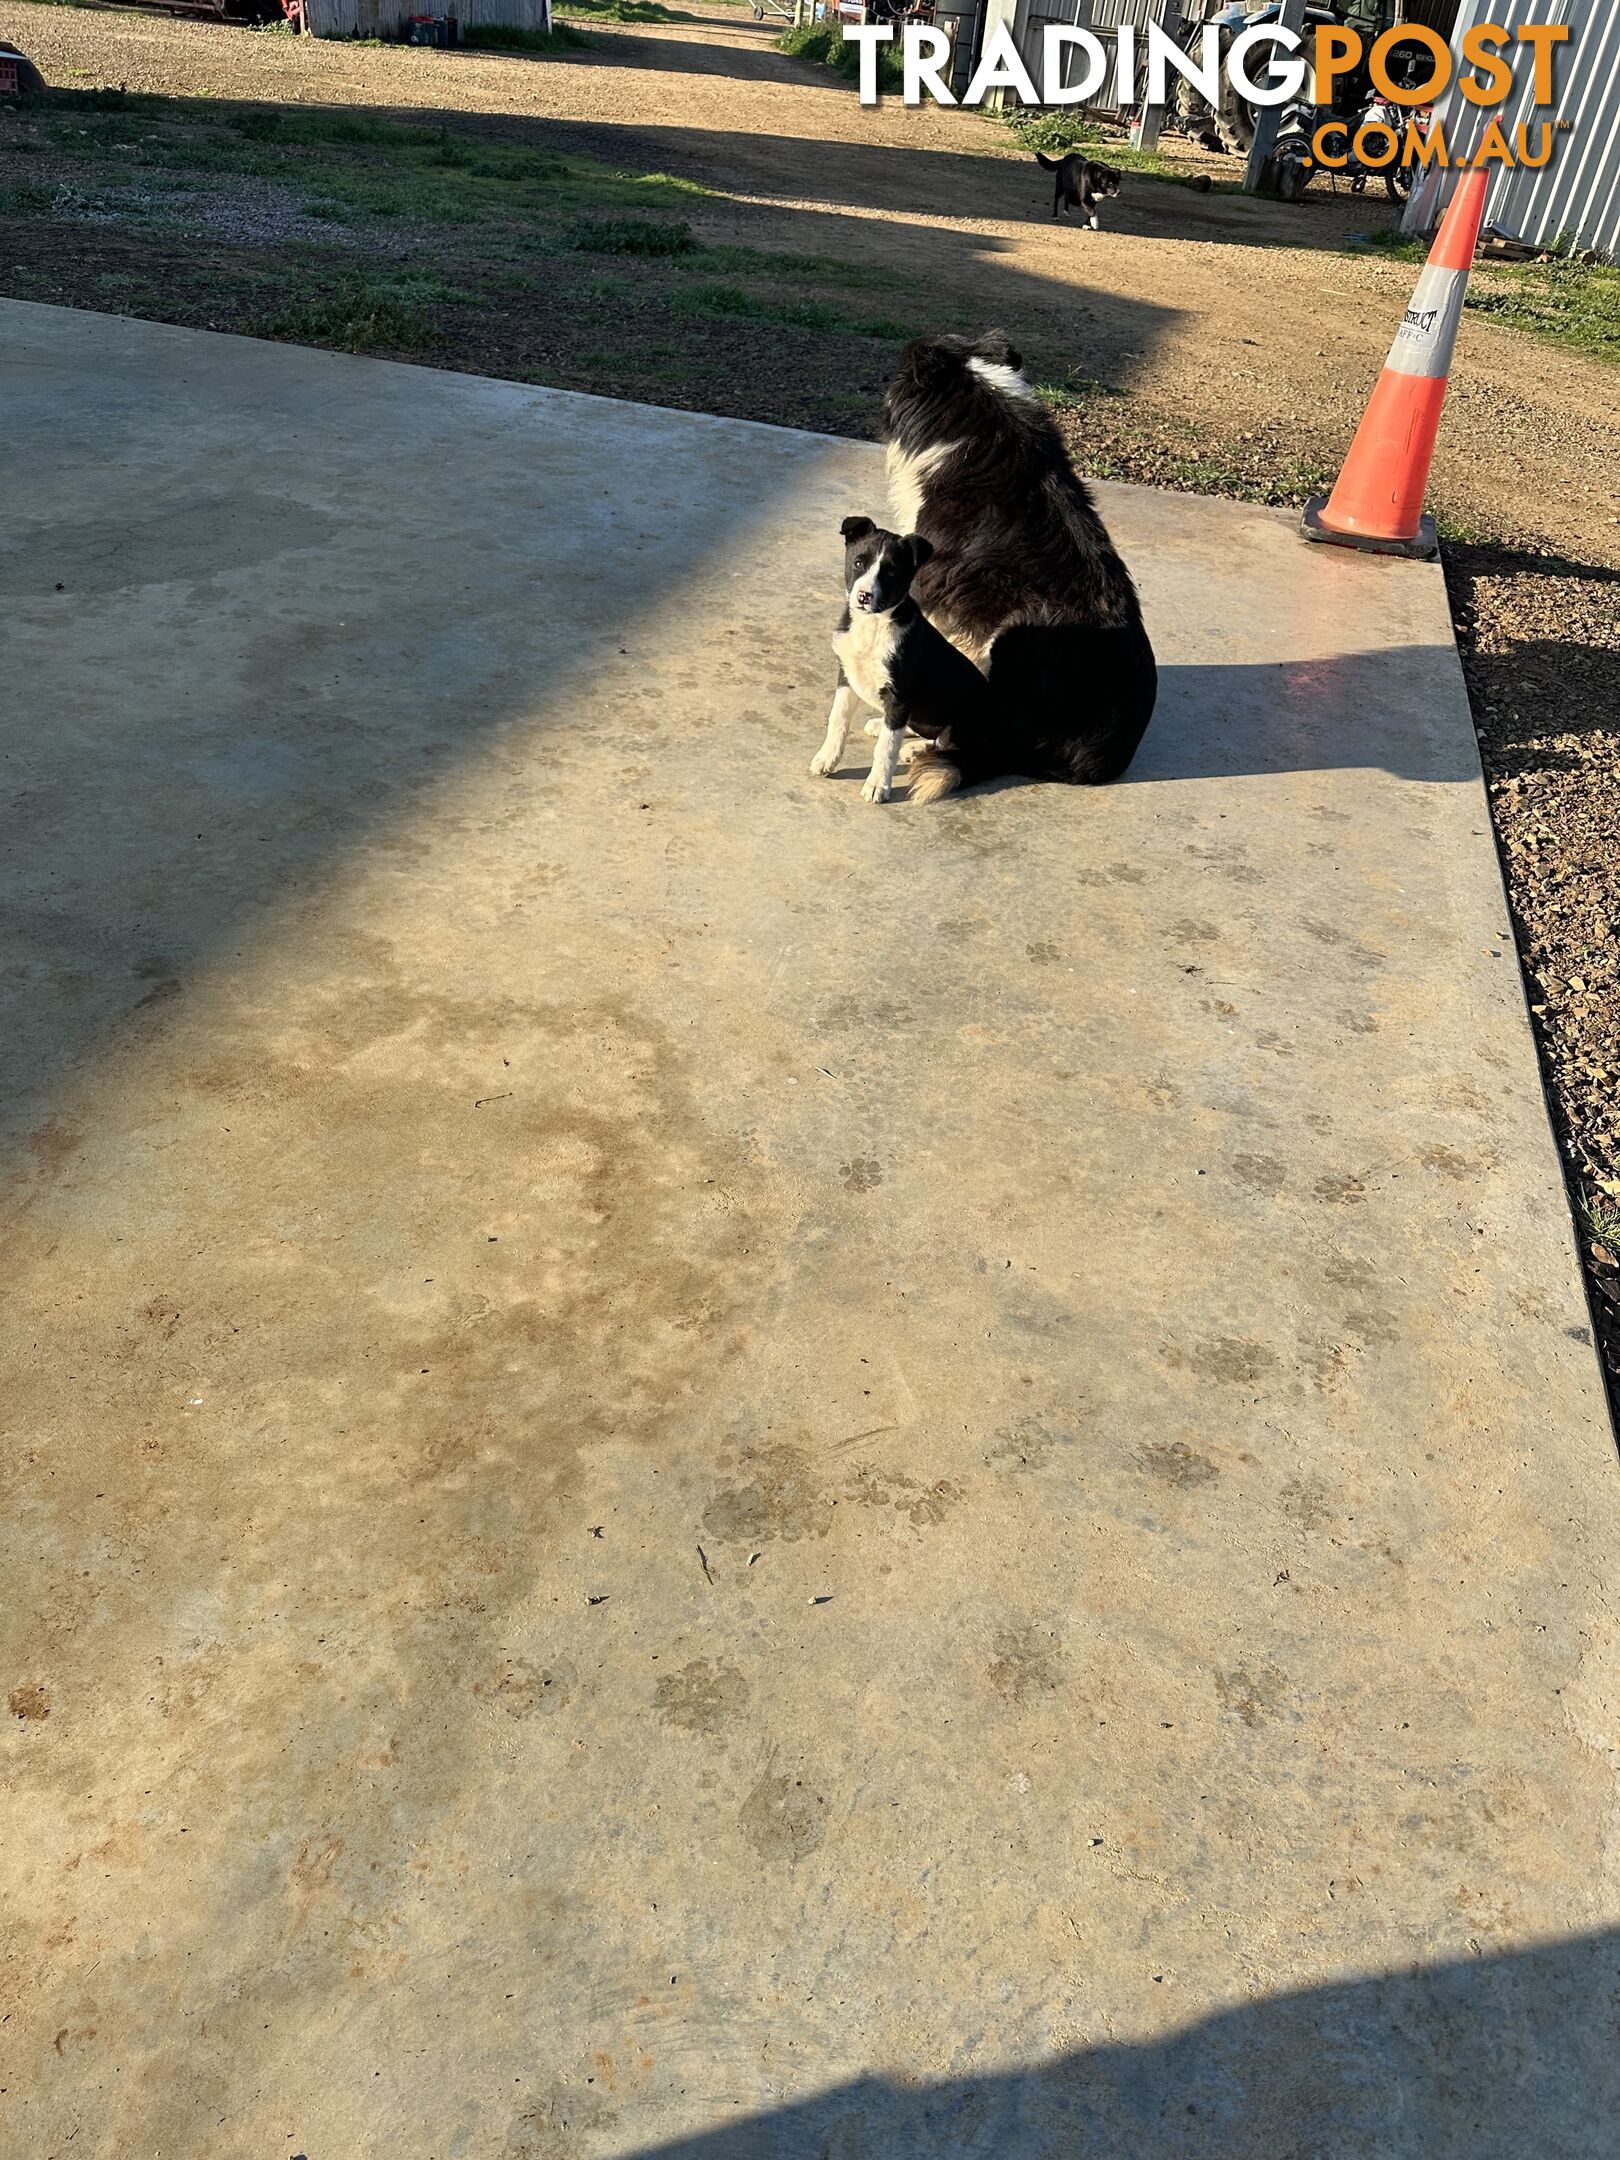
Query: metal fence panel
[1104, 18]
[1576, 198]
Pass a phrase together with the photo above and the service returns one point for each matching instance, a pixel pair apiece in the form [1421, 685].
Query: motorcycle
[1294, 163]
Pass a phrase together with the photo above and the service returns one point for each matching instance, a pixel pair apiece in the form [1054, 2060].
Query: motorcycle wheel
[1398, 180]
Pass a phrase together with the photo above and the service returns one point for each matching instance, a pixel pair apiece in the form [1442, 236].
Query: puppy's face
[879, 566]
[1104, 180]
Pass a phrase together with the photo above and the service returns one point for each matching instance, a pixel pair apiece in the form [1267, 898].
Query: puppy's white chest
[863, 652]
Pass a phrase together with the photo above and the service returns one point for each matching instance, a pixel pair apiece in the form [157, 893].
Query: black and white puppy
[891, 657]
[1080, 185]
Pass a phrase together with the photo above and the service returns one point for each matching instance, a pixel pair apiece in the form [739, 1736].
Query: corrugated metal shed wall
[1578, 193]
[386, 18]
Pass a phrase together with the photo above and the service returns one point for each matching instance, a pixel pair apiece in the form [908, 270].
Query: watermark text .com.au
[1075, 63]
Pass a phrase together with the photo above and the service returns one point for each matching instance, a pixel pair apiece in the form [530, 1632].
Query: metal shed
[388, 18]
[1575, 198]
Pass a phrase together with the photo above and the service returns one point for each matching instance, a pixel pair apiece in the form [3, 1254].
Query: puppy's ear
[855, 528]
[997, 347]
[920, 548]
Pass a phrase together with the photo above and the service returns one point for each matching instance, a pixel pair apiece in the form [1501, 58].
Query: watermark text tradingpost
[1490, 71]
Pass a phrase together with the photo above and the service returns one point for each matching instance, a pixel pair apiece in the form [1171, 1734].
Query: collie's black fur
[1023, 576]
[1080, 184]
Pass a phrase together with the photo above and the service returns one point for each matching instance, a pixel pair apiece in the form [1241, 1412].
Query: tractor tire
[1191, 107]
[1235, 124]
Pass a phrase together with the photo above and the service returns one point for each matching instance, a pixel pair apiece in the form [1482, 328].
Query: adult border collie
[1081, 184]
[1023, 576]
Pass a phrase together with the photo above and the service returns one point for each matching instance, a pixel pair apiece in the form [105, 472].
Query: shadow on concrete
[264, 788]
[1348, 711]
[1462, 2061]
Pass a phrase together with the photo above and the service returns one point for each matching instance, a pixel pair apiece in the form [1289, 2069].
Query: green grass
[26, 198]
[1393, 245]
[1057, 133]
[1075, 389]
[1573, 303]
[824, 42]
[356, 165]
[624, 11]
[362, 313]
[505, 37]
[627, 236]
[802, 269]
[467, 244]
[735, 304]
[1602, 1219]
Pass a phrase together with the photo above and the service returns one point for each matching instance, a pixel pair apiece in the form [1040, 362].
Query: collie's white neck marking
[908, 476]
[1001, 377]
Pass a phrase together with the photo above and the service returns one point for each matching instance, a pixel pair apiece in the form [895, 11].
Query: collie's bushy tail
[933, 777]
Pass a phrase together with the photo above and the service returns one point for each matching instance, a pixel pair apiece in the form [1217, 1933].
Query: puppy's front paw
[824, 764]
[1095, 226]
[874, 726]
[914, 747]
[875, 790]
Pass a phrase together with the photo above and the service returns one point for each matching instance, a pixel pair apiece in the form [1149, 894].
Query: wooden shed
[390, 18]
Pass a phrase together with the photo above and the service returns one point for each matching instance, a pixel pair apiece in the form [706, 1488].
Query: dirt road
[1217, 314]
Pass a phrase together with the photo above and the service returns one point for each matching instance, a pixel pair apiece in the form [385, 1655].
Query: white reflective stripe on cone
[1424, 342]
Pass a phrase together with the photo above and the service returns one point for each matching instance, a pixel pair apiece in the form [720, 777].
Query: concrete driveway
[694, 1469]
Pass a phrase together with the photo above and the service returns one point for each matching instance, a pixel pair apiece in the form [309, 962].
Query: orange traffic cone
[1378, 502]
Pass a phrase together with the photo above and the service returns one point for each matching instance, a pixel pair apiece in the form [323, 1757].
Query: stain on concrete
[1234, 1358]
[1262, 1173]
[1342, 1188]
[1324, 1363]
[30, 1701]
[705, 1696]
[1115, 873]
[1026, 1662]
[524, 1689]
[197, 537]
[1175, 1463]
[1028, 1443]
[923, 1506]
[1368, 1325]
[783, 1497]
[1307, 1504]
[1253, 1693]
[1450, 1162]
[565, 2125]
[783, 1819]
[863, 1174]
[848, 1010]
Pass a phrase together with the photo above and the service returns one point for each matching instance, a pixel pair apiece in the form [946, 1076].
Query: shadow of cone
[1377, 504]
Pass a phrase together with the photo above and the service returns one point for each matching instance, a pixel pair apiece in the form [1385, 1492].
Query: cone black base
[1425, 547]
